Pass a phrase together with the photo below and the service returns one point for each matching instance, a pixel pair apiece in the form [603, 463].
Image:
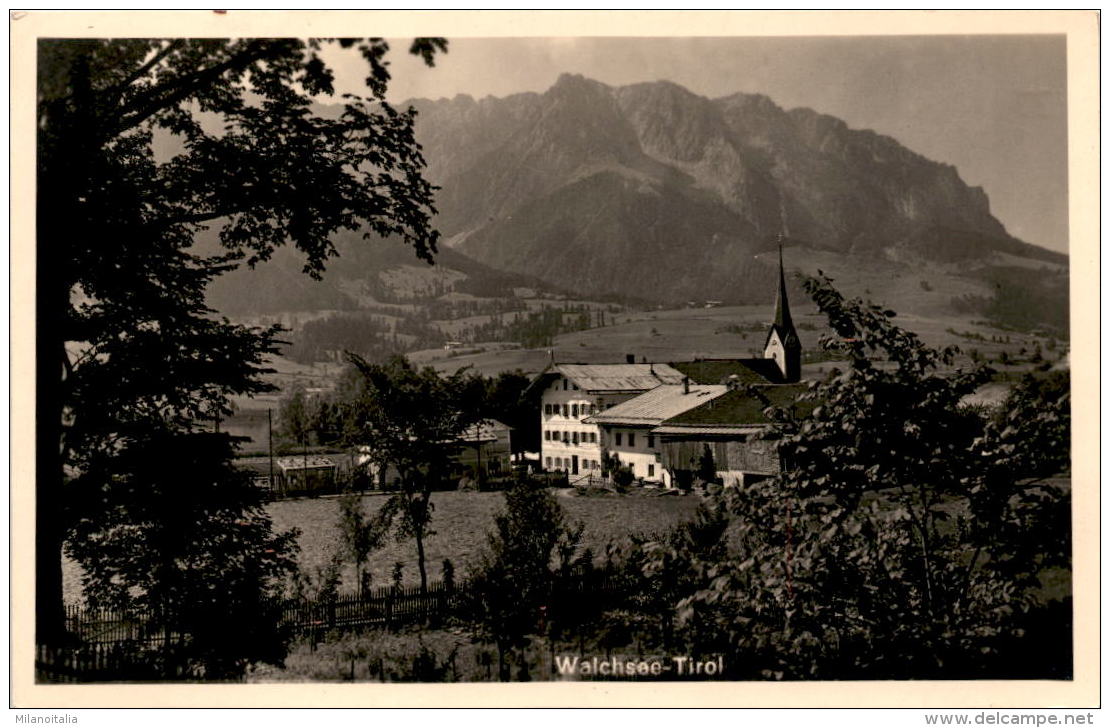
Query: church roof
[723, 371]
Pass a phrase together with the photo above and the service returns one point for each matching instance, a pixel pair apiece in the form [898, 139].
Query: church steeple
[782, 343]
[782, 305]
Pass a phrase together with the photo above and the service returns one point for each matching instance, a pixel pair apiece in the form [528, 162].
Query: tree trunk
[49, 605]
[420, 561]
[61, 183]
[502, 666]
[49, 451]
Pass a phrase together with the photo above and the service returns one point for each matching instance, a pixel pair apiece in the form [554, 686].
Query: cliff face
[652, 191]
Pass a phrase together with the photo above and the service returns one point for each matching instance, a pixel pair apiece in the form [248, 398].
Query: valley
[589, 223]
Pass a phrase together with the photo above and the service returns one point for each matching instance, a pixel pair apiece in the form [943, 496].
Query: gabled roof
[656, 405]
[615, 377]
[484, 431]
[739, 408]
[722, 371]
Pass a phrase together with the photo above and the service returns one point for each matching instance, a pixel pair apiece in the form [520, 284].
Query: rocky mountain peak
[577, 182]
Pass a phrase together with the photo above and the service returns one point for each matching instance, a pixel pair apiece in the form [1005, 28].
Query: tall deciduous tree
[125, 343]
[409, 420]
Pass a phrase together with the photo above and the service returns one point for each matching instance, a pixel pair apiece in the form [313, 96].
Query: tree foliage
[512, 582]
[174, 534]
[143, 143]
[361, 534]
[902, 539]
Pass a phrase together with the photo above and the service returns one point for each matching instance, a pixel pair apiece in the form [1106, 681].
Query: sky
[993, 106]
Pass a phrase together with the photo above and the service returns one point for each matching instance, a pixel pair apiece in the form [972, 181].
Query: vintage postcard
[555, 358]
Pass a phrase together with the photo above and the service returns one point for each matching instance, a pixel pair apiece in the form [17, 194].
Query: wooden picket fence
[97, 626]
[106, 662]
[381, 607]
[131, 647]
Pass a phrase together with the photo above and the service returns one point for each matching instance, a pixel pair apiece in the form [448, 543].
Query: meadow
[461, 521]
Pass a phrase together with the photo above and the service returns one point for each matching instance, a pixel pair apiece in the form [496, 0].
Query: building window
[558, 462]
[632, 439]
[574, 437]
[565, 384]
[593, 437]
[566, 438]
[566, 410]
[651, 471]
[651, 441]
[547, 434]
[548, 462]
[575, 387]
[618, 439]
[593, 409]
[574, 410]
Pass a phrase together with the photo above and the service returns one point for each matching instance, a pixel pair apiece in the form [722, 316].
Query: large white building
[573, 392]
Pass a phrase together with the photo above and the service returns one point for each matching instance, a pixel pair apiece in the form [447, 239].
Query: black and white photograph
[661, 360]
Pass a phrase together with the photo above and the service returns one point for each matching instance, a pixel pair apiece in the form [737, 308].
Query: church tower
[783, 344]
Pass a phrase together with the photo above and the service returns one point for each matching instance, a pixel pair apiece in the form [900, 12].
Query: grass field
[461, 522]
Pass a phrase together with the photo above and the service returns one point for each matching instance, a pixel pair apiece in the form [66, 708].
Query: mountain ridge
[513, 169]
[653, 193]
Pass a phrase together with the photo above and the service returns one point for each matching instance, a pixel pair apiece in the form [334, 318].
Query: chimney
[686, 385]
[629, 358]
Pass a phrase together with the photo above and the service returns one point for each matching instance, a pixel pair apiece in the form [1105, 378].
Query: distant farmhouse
[484, 450]
[299, 474]
[481, 451]
[660, 419]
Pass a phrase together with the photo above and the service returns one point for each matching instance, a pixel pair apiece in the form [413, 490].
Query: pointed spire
[783, 320]
[782, 343]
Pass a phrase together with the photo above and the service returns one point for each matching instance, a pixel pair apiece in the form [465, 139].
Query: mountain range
[653, 193]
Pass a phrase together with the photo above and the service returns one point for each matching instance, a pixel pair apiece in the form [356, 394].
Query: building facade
[628, 429]
[571, 393]
[734, 428]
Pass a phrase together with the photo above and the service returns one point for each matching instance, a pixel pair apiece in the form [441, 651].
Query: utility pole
[270, 432]
[481, 477]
